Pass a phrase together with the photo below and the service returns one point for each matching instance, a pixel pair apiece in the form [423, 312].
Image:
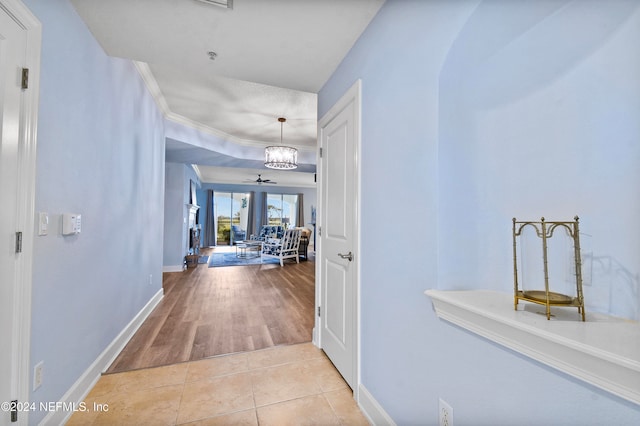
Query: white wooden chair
[283, 248]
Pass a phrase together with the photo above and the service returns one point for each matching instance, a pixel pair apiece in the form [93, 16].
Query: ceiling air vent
[228, 4]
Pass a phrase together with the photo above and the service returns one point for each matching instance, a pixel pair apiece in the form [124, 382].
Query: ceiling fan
[260, 181]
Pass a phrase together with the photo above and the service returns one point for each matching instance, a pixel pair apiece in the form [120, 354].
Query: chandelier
[281, 157]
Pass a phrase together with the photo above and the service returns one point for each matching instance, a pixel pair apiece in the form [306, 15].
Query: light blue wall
[456, 93]
[178, 179]
[545, 121]
[173, 254]
[101, 154]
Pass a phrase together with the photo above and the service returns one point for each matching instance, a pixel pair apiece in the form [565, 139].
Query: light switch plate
[43, 223]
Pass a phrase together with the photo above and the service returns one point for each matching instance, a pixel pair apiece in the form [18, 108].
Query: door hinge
[319, 231]
[318, 310]
[25, 78]
[18, 242]
[320, 152]
[14, 411]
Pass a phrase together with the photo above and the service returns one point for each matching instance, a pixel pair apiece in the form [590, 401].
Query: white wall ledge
[603, 351]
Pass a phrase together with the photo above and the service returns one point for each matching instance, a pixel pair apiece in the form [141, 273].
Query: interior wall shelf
[603, 351]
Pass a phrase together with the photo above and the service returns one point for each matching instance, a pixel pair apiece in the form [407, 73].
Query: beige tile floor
[286, 385]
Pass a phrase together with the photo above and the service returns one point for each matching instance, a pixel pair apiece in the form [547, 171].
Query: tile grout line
[335, 413]
[253, 393]
[303, 360]
[181, 398]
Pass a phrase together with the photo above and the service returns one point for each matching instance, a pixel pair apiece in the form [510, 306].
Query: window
[231, 208]
[282, 209]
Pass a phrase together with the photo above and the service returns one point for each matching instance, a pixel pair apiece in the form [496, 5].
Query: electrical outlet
[37, 375]
[445, 413]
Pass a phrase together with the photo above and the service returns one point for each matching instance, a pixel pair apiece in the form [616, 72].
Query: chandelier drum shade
[281, 157]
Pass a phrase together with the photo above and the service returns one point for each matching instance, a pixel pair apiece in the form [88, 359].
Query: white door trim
[353, 94]
[20, 346]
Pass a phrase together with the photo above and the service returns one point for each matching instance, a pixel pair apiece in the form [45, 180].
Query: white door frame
[353, 94]
[25, 203]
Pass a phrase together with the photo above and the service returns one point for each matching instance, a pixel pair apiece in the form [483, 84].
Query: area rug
[230, 259]
[203, 259]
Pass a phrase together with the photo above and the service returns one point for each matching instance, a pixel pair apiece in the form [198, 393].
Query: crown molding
[152, 85]
[182, 120]
[197, 171]
[161, 102]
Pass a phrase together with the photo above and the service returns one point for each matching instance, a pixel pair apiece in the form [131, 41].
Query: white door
[19, 45]
[339, 135]
[12, 51]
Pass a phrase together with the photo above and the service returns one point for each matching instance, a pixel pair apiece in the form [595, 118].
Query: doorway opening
[231, 215]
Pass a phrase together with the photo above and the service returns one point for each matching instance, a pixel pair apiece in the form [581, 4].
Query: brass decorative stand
[544, 230]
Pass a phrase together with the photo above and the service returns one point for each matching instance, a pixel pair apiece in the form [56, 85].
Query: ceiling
[248, 176]
[272, 57]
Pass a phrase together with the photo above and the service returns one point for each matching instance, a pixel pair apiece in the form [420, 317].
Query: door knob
[348, 256]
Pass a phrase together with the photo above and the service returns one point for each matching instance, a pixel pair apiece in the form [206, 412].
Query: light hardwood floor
[213, 311]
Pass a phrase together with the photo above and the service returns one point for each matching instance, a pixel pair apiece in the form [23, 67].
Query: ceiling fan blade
[260, 181]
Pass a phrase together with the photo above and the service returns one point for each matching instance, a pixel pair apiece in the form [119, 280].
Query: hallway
[215, 311]
[259, 369]
[285, 385]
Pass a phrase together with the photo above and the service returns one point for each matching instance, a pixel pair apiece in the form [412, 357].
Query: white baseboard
[85, 383]
[372, 409]
[174, 268]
